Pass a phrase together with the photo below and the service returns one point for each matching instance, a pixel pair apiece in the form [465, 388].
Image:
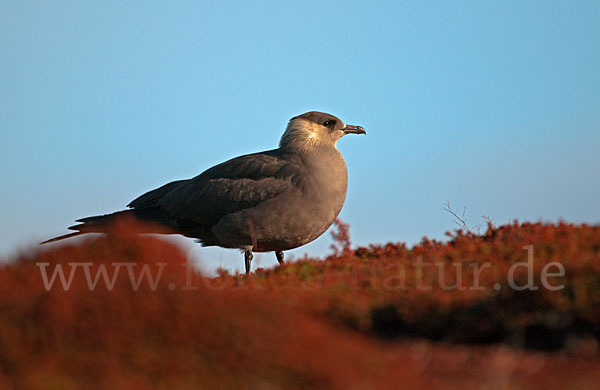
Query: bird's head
[314, 130]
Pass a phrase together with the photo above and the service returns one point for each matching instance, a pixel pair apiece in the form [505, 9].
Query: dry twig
[460, 220]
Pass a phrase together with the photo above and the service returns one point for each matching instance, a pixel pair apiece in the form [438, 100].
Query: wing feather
[234, 185]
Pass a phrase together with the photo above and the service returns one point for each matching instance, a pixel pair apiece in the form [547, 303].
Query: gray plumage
[269, 201]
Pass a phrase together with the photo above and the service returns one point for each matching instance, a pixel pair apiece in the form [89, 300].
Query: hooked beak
[350, 129]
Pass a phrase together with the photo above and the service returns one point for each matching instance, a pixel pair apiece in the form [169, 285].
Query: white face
[308, 134]
[315, 129]
[331, 132]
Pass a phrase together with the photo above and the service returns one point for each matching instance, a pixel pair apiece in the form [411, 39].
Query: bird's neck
[318, 157]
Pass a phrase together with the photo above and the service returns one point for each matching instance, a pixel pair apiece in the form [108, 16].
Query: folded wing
[234, 185]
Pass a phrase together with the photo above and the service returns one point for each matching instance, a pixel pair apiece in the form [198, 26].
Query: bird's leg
[248, 259]
[279, 255]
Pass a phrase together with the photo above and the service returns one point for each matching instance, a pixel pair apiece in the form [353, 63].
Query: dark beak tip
[354, 130]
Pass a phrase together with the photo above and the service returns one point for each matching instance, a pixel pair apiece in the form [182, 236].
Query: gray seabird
[275, 200]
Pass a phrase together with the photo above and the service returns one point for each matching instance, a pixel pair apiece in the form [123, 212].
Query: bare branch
[460, 220]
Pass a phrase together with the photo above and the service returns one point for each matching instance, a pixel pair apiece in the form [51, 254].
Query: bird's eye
[328, 123]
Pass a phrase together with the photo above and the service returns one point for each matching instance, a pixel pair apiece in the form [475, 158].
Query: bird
[270, 201]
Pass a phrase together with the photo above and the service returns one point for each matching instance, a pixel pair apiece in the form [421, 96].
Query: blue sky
[493, 106]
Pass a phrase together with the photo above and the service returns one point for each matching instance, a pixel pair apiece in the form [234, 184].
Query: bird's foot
[248, 259]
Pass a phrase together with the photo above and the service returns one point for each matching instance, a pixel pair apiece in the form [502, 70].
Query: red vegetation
[308, 324]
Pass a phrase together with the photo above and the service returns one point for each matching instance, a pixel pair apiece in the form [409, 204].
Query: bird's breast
[310, 207]
[295, 217]
[325, 183]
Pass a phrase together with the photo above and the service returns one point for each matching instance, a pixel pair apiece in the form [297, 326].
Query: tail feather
[96, 224]
[62, 237]
[102, 219]
[154, 221]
